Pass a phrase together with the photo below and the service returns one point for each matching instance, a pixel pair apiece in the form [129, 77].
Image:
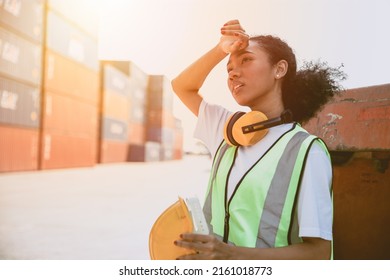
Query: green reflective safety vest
[262, 210]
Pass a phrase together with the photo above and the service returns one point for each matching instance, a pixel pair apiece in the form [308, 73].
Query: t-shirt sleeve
[210, 124]
[315, 209]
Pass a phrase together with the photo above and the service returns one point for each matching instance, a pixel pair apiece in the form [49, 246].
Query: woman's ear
[281, 69]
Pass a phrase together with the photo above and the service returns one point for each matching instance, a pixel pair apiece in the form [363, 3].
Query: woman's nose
[234, 74]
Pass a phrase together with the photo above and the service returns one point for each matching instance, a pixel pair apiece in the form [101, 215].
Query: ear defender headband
[246, 129]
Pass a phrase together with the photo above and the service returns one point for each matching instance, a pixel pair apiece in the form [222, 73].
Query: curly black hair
[306, 91]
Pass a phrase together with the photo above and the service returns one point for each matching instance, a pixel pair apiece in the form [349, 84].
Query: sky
[165, 36]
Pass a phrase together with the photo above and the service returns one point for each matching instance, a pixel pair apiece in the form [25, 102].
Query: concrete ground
[100, 213]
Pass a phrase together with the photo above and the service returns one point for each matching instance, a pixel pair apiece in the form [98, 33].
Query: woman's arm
[187, 84]
[209, 247]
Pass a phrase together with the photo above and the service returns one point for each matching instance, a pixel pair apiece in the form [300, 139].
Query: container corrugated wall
[19, 104]
[368, 108]
[361, 194]
[25, 17]
[70, 119]
[356, 128]
[18, 148]
[161, 123]
[20, 59]
[21, 26]
[115, 114]
[137, 117]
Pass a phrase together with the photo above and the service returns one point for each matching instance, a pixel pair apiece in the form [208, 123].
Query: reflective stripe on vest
[261, 212]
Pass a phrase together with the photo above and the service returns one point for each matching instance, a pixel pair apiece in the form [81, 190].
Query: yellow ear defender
[246, 129]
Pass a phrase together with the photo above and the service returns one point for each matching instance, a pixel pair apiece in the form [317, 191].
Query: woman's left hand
[208, 247]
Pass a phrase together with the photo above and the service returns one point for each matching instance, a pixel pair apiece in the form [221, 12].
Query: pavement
[103, 212]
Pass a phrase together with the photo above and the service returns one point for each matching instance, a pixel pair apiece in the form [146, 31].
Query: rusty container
[361, 195]
[356, 128]
[25, 17]
[18, 148]
[357, 120]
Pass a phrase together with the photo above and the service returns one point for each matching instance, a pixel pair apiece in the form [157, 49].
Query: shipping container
[70, 42]
[113, 151]
[113, 129]
[138, 78]
[69, 116]
[177, 154]
[19, 104]
[19, 58]
[83, 13]
[137, 113]
[137, 133]
[356, 128]
[147, 152]
[115, 105]
[68, 77]
[116, 93]
[66, 151]
[357, 120]
[18, 149]
[361, 192]
[138, 94]
[160, 118]
[116, 81]
[178, 139]
[164, 135]
[160, 93]
[166, 152]
[25, 17]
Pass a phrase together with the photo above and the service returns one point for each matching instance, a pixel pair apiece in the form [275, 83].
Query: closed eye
[245, 59]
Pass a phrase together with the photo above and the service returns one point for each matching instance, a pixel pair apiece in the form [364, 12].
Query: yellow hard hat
[170, 224]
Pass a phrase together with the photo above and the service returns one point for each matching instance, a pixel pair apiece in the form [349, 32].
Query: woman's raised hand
[233, 37]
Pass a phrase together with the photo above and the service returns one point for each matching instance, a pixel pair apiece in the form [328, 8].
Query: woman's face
[251, 77]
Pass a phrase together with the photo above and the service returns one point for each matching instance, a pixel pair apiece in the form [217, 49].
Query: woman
[269, 198]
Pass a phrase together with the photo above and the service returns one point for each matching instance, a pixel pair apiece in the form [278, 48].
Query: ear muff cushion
[170, 224]
[251, 138]
[227, 131]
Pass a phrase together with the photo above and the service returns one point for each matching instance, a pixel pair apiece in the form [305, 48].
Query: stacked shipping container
[60, 107]
[21, 30]
[161, 123]
[140, 149]
[71, 90]
[115, 115]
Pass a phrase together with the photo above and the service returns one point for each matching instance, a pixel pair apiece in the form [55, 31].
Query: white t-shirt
[314, 201]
